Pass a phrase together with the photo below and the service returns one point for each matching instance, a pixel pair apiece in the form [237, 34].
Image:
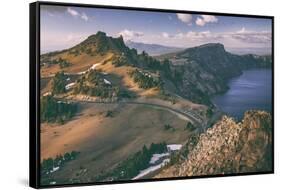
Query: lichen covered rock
[229, 147]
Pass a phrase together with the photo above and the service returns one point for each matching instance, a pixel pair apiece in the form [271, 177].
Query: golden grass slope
[105, 141]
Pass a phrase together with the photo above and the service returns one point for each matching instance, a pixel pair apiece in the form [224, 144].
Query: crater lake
[251, 90]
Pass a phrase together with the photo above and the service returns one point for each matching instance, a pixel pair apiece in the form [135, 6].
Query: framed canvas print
[120, 94]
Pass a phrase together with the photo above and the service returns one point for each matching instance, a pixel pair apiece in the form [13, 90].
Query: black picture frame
[34, 92]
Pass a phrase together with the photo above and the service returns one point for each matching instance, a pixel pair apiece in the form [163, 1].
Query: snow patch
[174, 147]
[55, 169]
[156, 157]
[91, 68]
[83, 72]
[151, 169]
[94, 66]
[106, 81]
[68, 86]
[47, 94]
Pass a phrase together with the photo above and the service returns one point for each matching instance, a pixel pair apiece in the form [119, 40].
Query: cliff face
[228, 147]
[206, 69]
[212, 58]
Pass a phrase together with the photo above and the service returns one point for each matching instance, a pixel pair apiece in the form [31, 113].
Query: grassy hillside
[105, 135]
[112, 61]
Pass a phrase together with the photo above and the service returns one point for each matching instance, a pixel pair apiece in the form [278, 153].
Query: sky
[63, 27]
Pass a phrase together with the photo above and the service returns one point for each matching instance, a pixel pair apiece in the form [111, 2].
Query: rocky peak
[102, 34]
[99, 34]
[104, 43]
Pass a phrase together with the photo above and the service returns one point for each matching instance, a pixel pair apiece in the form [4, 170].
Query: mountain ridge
[195, 73]
[205, 70]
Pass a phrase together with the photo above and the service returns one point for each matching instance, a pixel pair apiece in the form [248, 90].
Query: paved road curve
[197, 120]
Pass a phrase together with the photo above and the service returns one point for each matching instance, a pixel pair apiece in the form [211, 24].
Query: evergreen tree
[58, 83]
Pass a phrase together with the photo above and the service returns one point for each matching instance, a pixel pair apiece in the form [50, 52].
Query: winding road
[194, 118]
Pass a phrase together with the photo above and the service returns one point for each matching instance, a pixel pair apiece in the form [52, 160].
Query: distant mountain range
[257, 51]
[152, 49]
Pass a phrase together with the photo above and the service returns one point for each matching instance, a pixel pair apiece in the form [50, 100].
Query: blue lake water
[251, 90]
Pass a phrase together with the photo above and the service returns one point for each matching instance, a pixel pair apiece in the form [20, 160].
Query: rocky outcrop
[229, 147]
[100, 44]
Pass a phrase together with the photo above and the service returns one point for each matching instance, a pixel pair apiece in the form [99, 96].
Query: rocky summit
[228, 147]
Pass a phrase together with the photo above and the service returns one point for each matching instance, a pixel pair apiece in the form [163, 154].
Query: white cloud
[240, 36]
[243, 30]
[200, 22]
[166, 35]
[202, 36]
[75, 13]
[204, 19]
[186, 18]
[244, 35]
[199, 36]
[209, 18]
[130, 34]
[179, 35]
[84, 17]
[72, 12]
[193, 36]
